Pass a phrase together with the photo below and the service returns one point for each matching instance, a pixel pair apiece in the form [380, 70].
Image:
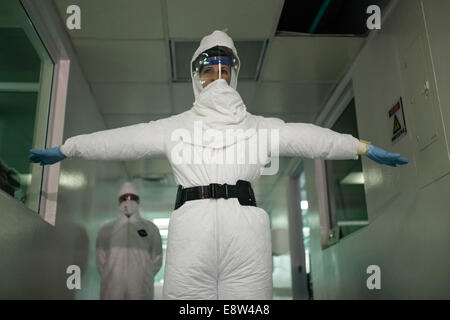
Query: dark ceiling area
[330, 17]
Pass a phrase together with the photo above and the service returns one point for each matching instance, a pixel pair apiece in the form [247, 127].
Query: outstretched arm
[314, 142]
[126, 143]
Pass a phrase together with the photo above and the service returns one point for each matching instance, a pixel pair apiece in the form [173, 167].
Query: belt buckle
[202, 191]
[226, 190]
[246, 196]
[213, 190]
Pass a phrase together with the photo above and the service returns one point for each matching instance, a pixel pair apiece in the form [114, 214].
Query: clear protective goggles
[215, 63]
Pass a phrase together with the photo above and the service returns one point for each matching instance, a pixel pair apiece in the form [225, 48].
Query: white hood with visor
[219, 106]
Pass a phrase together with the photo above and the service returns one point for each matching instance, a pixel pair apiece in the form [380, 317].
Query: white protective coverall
[217, 248]
[129, 254]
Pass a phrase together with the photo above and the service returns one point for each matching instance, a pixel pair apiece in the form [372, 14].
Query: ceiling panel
[114, 60]
[119, 120]
[133, 98]
[310, 58]
[278, 97]
[116, 19]
[248, 19]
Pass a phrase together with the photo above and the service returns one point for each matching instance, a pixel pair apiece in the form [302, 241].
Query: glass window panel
[20, 62]
[347, 200]
[26, 72]
[304, 206]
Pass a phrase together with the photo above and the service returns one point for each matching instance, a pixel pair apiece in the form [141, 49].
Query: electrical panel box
[420, 102]
[423, 112]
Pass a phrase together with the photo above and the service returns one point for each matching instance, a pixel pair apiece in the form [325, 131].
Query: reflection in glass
[25, 84]
[304, 206]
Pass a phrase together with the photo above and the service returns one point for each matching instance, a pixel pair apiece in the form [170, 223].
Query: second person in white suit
[129, 251]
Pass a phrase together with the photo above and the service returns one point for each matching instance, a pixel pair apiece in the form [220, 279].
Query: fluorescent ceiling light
[353, 178]
[304, 205]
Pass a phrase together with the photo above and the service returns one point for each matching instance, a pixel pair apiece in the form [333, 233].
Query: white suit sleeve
[311, 141]
[156, 250]
[126, 143]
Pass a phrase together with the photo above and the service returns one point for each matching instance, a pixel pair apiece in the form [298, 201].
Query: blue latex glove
[383, 157]
[46, 156]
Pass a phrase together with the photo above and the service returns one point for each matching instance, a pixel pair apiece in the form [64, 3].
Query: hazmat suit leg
[218, 249]
[191, 256]
[245, 253]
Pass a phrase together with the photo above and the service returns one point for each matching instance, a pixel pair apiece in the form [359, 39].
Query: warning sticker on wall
[397, 118]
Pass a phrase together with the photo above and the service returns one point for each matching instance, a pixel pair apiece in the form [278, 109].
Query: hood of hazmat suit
[129, 253]
[217, 248]
[218, 106]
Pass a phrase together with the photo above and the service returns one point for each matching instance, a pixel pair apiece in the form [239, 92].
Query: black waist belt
[242, 190]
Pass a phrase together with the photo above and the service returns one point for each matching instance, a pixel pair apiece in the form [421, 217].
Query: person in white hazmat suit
[129, 251]
[219, 245]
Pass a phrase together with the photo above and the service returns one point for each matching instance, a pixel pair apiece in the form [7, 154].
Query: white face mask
[129, 207]
[221, 104]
